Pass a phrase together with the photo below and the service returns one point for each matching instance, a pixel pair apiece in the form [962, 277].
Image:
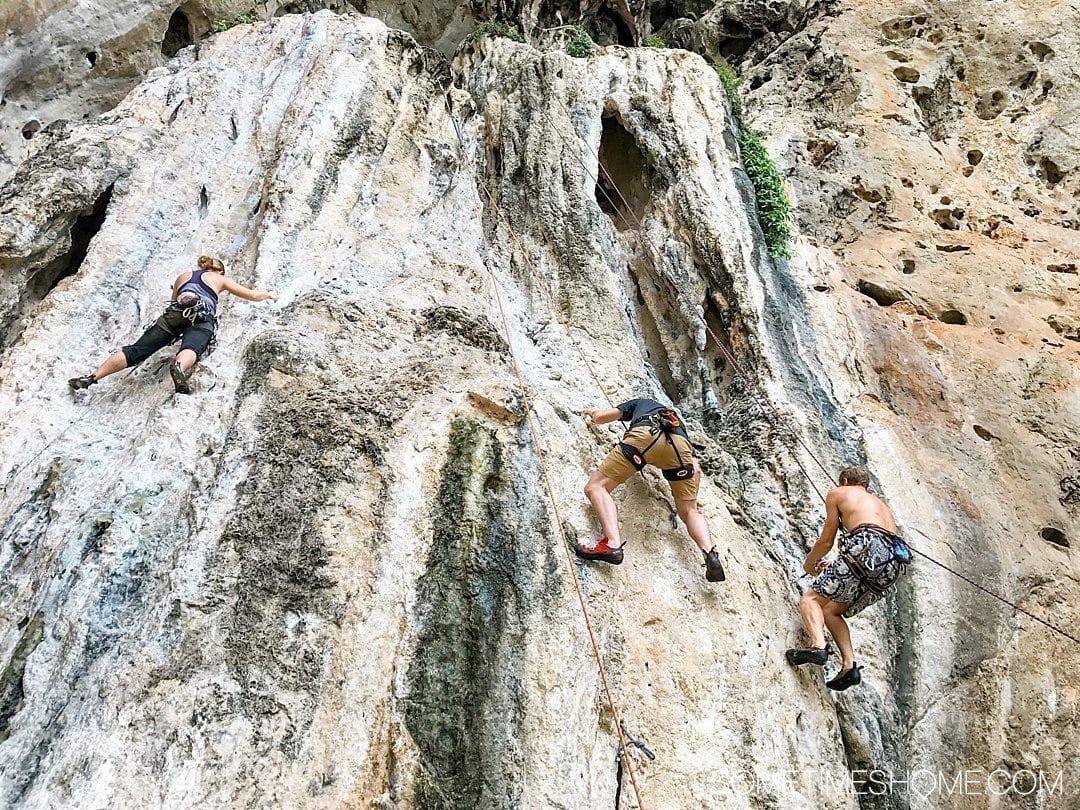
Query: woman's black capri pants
[168, 330]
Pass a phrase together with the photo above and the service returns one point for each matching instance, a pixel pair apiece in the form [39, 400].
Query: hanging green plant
[773, 206]
[730, 81]
[580, 44]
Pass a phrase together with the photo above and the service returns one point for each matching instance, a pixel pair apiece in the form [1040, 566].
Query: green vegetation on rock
[580, 44]
[499, 28]
[655, 41]
[730, 80]
[773, 206]
[225, 25]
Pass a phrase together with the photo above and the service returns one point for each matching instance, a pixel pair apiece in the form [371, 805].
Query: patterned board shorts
[838, 582]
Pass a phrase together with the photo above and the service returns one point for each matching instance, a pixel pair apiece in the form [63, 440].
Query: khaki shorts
[618, 468]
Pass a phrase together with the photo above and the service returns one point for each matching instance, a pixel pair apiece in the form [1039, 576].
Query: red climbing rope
[534, 430]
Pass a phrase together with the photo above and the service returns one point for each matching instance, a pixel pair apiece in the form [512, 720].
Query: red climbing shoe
[601, 551]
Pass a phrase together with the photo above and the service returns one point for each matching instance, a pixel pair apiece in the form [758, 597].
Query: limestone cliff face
[333, 577]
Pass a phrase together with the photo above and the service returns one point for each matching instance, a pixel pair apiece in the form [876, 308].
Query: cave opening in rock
[624, 34]
[84, 230]
[623, 178]
[734, 42]
[178, 35]
[1050, 172]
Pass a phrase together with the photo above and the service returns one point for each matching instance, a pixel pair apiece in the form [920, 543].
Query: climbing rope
[535, 432]
[989, 592]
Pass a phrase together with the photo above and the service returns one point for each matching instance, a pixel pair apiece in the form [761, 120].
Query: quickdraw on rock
[622, 752]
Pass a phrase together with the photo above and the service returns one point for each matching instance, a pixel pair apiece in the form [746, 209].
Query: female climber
[190, 317]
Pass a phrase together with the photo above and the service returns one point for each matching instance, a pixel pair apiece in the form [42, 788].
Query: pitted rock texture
[71, 61]
[343, 536]
[333, 578]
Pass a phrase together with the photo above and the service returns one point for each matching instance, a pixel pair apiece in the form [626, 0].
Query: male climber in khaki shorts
[657, 437]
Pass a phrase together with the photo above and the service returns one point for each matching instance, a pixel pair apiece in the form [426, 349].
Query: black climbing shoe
[601, 551]
[714, 571]
[180, 379]
[810, 655]
[846, 679]
[79, 383]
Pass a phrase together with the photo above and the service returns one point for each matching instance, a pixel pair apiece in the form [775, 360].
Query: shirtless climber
[191, 318]
[655, 436]
[871, 559]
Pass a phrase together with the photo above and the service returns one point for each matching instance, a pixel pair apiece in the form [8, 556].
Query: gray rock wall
[333, 577]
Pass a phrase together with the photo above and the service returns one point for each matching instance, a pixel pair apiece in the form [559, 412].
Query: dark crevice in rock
[1050, 172]
[11, 677]
[45, 279]
[938, 106]
[465, 705]
[624, 33]
[1055, 536]
[649, 327]
[947, 218]
[178, 35]
[624, 181]
[722, 373]
[991, 104]
[953, 316]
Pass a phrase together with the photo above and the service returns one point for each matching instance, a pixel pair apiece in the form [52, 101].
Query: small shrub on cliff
[655, 41]
[731, 86]
[225, 25]
[773, 206]
[499, 28]
[580, 45]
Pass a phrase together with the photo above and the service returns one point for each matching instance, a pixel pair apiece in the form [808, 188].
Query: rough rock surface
[333, 577]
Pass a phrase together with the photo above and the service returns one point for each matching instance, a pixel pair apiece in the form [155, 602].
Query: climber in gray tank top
[190, 317]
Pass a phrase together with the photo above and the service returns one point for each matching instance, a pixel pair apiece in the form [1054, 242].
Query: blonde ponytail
[210, 263]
